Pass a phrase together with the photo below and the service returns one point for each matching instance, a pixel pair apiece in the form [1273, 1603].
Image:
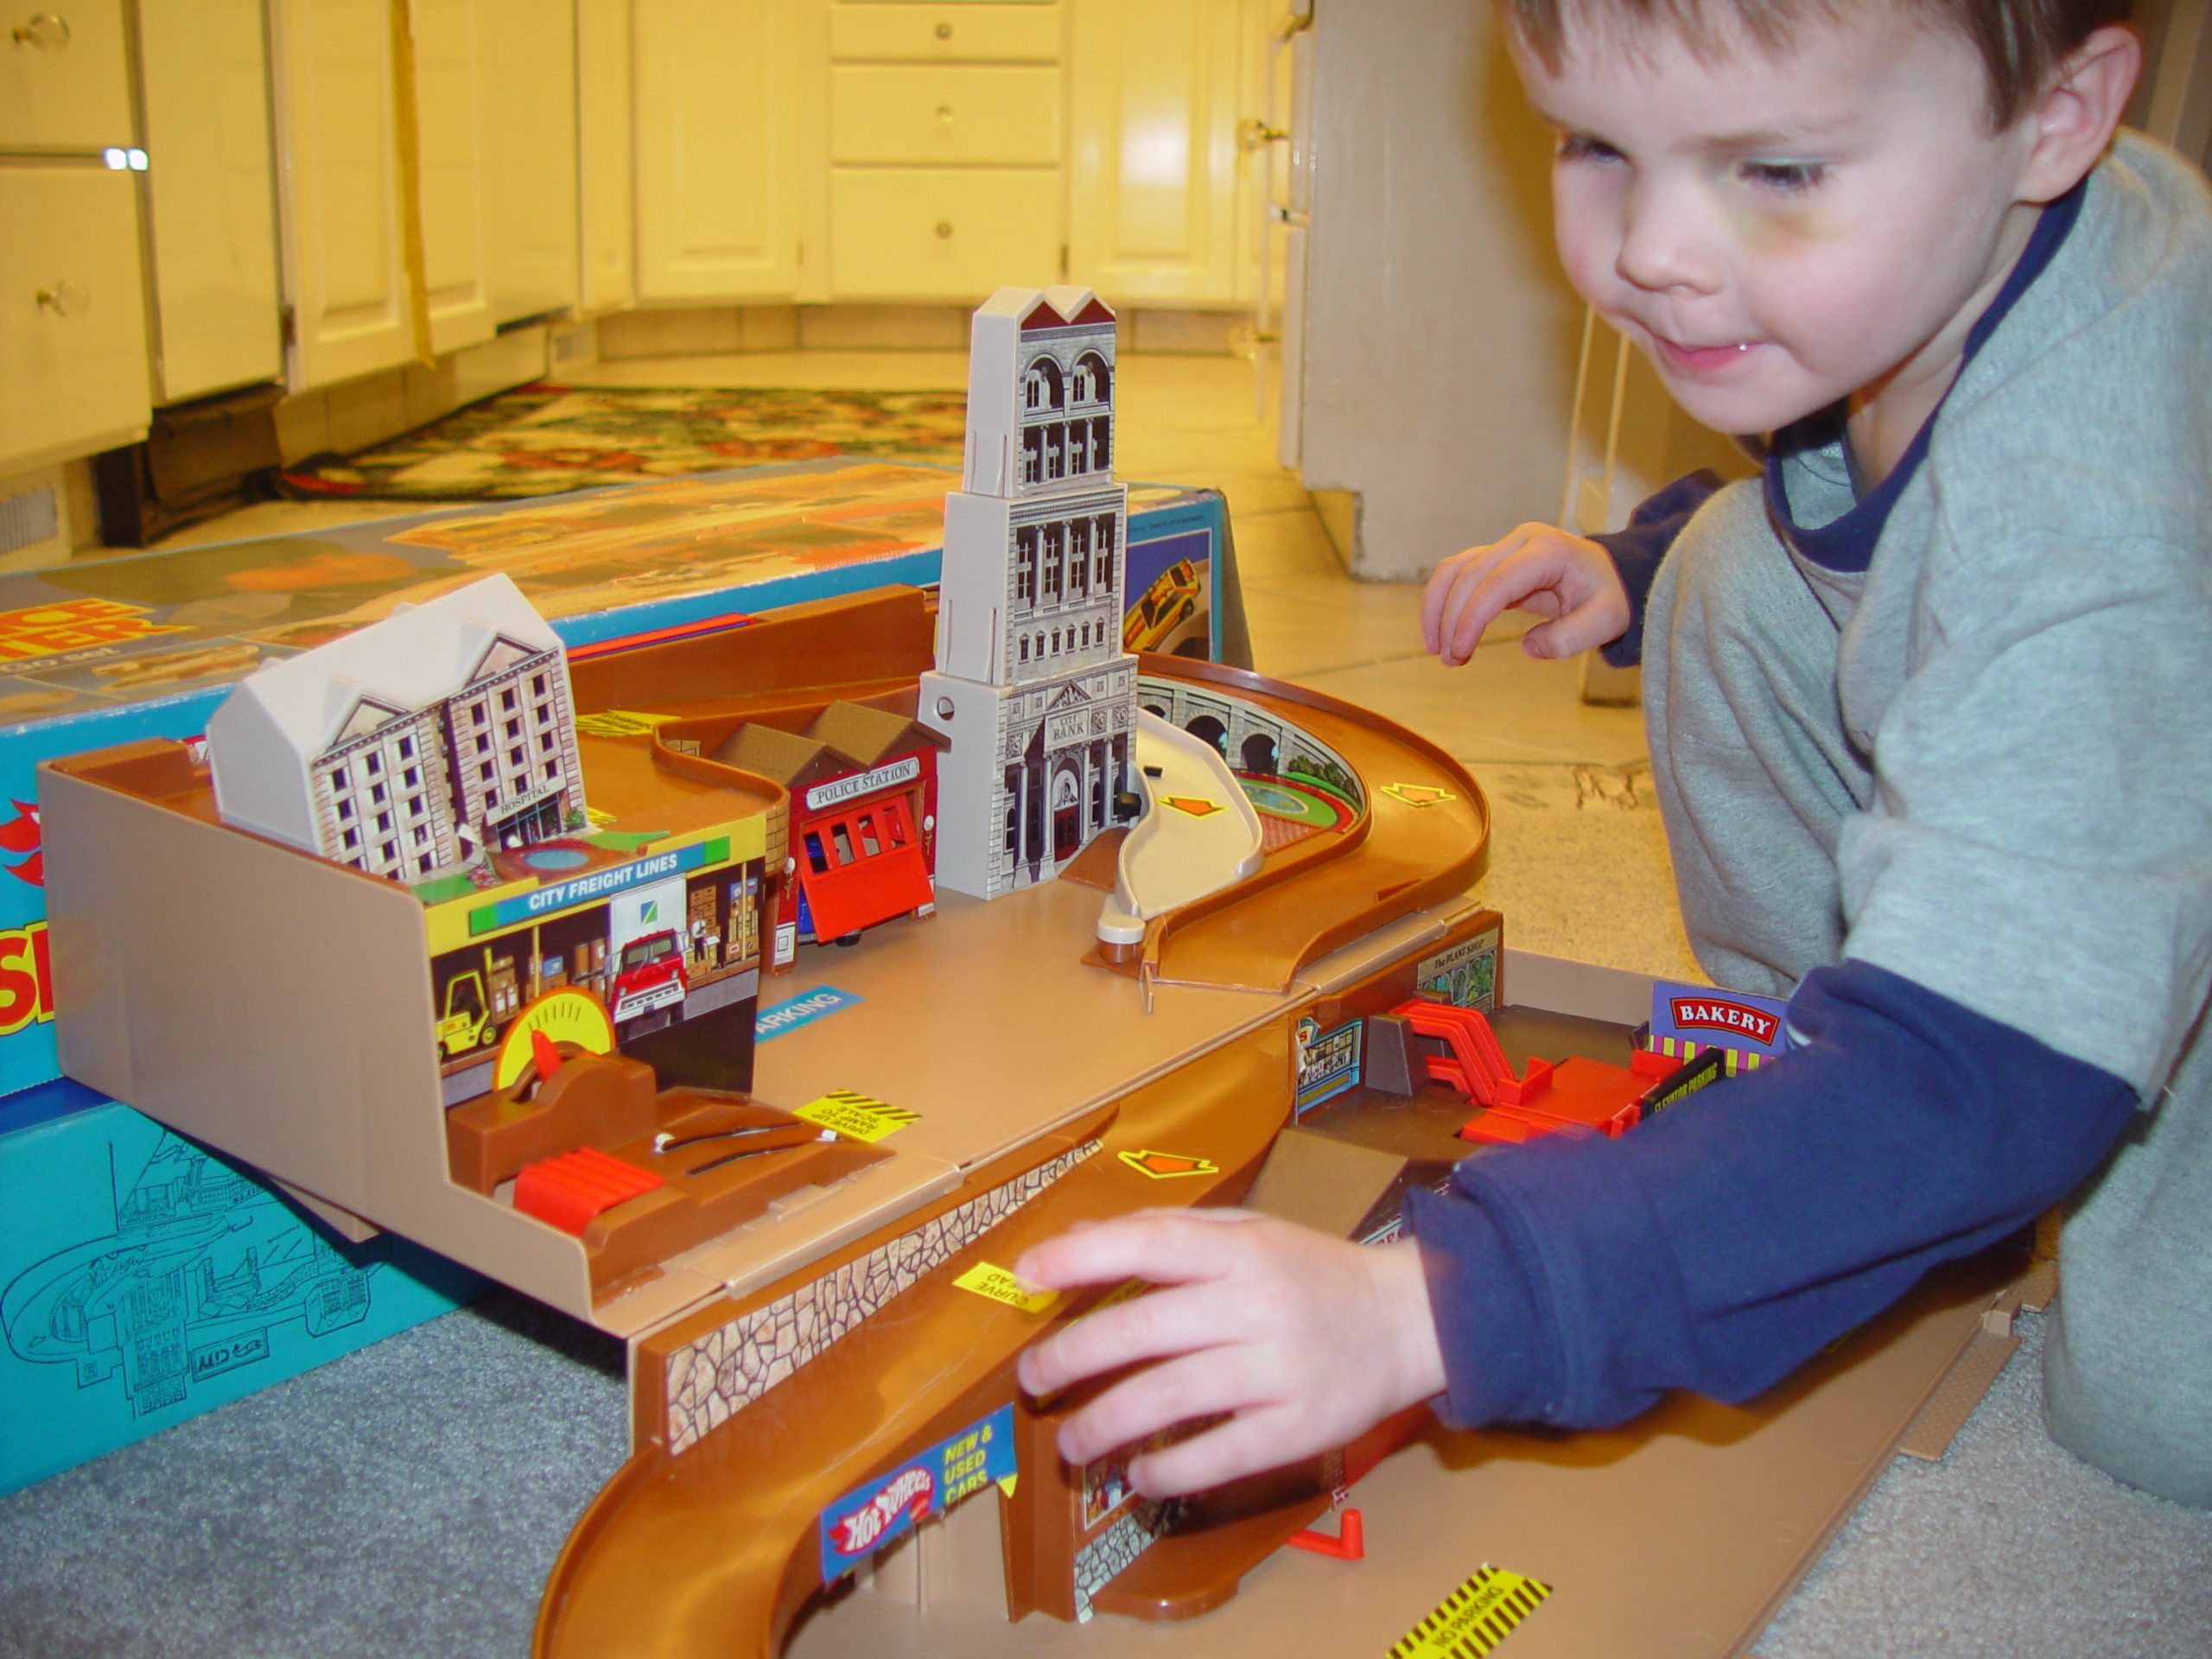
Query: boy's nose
[1662, 245]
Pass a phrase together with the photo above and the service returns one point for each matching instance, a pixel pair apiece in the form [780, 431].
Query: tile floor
[1578, 859]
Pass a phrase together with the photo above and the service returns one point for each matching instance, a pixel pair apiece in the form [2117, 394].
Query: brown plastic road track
[1405, 852]
[714, 1551]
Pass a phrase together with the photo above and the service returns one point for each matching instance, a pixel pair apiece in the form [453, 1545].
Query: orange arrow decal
[1196, 806]
[1418, 794]
[1162, 1166]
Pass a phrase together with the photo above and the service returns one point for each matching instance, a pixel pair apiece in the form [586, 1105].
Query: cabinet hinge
[1064, 262]
[287, 327]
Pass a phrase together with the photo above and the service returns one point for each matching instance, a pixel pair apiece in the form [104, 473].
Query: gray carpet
[406, 1502]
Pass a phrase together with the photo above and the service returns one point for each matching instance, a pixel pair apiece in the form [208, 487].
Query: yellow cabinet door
[862, 30]
[1156, 88]
[63, 83]
[604, 157]
[718, 117]
[946, 115]
[73, 320]
[214, 219]
[918, 233]
[339, 190]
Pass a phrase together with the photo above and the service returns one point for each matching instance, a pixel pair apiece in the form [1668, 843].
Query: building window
[542, 714]
[1092, 378]
[415, 805]
[1024, 642]
[514, 729]
[1104, 580]
[491, 798]
[1056, 642]
[507, 700]
[545, 741]
[424, 864]
[1055, 561]
[389, 852]
[375, 763]
[515, 760]
[346, 809]
[1032, 456]
[483, 743]
[1056, 450]
[412, 778]
[1101, 443]
[383, 823]
[484, 772]
[407, 748]
[552, 771]
[337, 780]
[1042, 387]
[421, 836]
[537, 686]
[352, 837]
[478, 710]
[376, 793]
[1025, 566]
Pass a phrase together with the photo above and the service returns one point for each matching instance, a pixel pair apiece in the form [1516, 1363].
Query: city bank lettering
[1713, 1015]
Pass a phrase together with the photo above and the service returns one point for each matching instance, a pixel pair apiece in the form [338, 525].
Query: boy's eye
[1581, 147]
[1783, 176]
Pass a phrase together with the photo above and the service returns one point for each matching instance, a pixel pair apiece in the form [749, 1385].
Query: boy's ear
[2070, 125]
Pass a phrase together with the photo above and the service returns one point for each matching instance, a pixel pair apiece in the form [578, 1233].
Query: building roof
[1064, 305]
[420, 655]
[866, 734]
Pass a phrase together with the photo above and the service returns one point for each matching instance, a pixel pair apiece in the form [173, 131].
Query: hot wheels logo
[20, 835]
[1711, 1013]
[909, 1494]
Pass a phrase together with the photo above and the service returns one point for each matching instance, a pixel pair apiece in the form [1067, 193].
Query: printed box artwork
[886, 1509]
[144, 1280]
[109, 652]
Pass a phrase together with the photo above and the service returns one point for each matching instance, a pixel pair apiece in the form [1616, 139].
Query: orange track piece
[1576, 1096]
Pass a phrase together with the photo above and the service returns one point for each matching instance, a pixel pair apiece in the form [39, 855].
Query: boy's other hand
[1538, 568]
[1307, 1340]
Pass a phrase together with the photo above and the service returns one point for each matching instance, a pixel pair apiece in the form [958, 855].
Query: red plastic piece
[567, 1190]
[546, 1053]
[1651, 1063]
[1576, 1096]
[1349, 1545]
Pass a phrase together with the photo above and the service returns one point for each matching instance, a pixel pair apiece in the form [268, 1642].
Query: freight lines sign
[1701, 1015]
[867, 1518]
[557, 896]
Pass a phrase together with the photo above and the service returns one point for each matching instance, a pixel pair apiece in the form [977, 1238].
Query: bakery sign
[838, 790]
[1699, 1013]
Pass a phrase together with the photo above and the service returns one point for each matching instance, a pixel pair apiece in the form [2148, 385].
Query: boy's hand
[1307, 1339]
[1538, 568]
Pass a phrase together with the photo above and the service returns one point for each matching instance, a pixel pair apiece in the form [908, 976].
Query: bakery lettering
[1713, 1015]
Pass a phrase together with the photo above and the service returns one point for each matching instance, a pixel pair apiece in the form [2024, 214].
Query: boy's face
[1778, 234]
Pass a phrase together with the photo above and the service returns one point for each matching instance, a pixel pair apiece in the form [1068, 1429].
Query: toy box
[144, 1280]
[112, 650]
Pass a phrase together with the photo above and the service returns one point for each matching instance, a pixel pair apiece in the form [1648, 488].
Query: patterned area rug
[541, 439]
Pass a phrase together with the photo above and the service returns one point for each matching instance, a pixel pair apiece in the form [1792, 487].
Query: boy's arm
[1638, 549]
[1716, 1247]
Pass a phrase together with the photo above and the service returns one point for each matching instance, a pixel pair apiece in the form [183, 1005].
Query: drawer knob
[944, 113]
[944, 31]
[65, 299]
[45, 31]
[945, 230]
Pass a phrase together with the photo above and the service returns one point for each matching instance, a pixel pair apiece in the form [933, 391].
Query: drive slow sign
[869, 1517]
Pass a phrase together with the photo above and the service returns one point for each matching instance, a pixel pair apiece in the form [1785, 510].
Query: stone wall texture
[710, 1379]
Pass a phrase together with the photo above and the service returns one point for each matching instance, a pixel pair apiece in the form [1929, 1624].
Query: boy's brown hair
[2021, 42]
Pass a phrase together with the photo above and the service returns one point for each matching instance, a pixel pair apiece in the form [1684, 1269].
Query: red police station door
[861, 864]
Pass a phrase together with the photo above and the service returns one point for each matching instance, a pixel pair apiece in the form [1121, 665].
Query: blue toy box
[144, 1280]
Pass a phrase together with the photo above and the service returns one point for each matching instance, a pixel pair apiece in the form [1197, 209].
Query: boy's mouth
[1702, 359]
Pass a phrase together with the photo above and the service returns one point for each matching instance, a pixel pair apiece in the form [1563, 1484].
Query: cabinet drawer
[63, 84]
[911, 234]
[73, 330]
[1009, 31]
[948, 114]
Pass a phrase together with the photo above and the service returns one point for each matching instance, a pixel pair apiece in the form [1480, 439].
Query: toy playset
[1274, 989]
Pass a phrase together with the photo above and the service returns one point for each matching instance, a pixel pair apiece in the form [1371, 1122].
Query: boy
[1922, 719]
